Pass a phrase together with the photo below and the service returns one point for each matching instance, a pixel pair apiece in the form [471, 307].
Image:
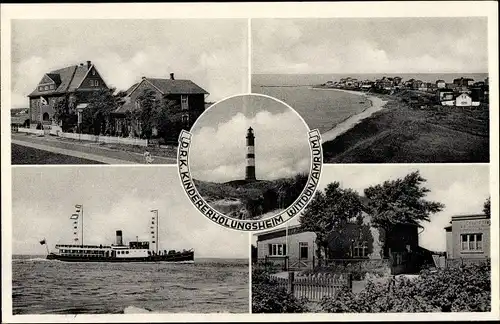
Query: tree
[487, 207]
[148, 114]
[97, 116]
[400, 201]
[62, 115]
[330, 211]
[169, 121]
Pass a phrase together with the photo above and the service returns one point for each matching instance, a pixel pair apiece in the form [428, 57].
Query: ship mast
[155, 211]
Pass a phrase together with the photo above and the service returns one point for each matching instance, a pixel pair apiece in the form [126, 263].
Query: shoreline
[376, 104]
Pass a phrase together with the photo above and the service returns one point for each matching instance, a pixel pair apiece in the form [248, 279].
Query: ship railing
[83, 246]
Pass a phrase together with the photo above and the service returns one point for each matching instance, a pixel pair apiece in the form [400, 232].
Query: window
[471, 242]
[126, 252]
[40, 88]
[360, 250]
[138, 104]
[52, 87]
[277, 249]
[185, 119]
[93, 72]
[46, 87]
[303, 250]
[184, 102]
[96, 83]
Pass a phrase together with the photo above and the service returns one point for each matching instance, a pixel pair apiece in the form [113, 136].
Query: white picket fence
[85, 137]
[105, 139]
[30, 131]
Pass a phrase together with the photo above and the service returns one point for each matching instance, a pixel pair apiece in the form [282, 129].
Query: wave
[33, 259]
[144, 310]
[136, 310]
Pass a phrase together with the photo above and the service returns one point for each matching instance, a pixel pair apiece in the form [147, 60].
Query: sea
[207, 285]
[325, 109]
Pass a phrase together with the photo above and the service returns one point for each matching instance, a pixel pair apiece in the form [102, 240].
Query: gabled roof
[163, 86]
[168, 86]
[68, 79]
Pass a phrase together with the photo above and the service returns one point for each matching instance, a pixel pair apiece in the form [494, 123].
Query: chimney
[88, 64]
[119, 240]
[144, 78]
[172, 76]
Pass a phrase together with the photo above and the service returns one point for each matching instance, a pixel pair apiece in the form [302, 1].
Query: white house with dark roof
[185, 94]
[74, 83]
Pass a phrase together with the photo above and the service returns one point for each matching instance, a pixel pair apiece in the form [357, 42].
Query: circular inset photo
[250, 162]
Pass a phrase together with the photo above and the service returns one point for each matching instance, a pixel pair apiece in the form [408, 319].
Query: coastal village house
[74, 83]
[468, 237]
[361, 242]
[189, 96]
[441, 84]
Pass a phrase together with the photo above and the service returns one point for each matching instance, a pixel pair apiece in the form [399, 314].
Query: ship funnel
[119, 240]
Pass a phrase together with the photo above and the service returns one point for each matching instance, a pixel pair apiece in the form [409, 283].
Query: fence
[31, 131]
[359, 267]
[285, 263]
[105, 139]
[314, 287]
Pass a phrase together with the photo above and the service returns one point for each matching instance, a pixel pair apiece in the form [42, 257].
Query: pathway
[90, 151]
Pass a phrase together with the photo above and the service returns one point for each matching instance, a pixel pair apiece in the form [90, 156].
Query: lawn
[27, 155]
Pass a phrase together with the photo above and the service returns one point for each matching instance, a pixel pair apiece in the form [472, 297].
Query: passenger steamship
[138, 251]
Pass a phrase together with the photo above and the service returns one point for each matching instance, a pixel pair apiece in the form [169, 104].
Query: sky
[218, 147]
[463, 189]
[370, 45]
[113, 198]
[211, 53]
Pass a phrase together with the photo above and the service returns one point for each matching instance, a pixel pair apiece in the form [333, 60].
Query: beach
[377, 104]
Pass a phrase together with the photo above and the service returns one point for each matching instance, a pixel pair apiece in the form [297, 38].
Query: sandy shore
[377, 104]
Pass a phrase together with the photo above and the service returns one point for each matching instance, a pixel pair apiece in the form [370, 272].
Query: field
[402, 134]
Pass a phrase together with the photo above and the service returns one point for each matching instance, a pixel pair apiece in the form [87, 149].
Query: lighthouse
[250, 168]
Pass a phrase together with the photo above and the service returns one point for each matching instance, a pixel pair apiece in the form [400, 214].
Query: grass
[27, 155]
[401, 134]
[251, 200]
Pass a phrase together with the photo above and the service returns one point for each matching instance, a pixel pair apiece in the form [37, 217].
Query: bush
[464, 289]
[269, 297]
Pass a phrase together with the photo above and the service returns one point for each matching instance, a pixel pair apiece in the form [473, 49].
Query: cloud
[113, 201]
[211, 53]
[369, 45]
[218, 152]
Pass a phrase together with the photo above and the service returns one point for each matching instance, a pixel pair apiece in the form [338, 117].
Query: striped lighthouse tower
[250, 168]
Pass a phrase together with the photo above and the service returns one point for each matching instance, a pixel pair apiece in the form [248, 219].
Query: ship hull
[176, 257]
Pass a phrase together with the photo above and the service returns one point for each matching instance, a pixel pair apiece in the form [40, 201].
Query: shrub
[464, 289]
[269, 297]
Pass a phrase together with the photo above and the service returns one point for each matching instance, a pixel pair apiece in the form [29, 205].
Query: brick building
[74, 83]
[189, 96]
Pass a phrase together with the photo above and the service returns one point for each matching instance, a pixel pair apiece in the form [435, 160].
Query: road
[79, 151]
